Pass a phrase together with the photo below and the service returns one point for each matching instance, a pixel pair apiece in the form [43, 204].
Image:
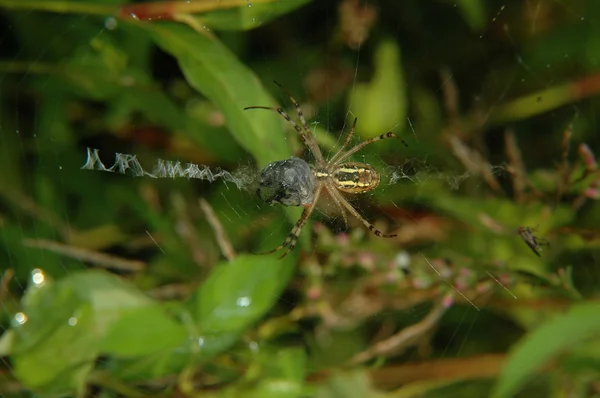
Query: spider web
[44, 148]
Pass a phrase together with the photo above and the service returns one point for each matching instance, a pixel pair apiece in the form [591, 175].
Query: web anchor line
[130, 165]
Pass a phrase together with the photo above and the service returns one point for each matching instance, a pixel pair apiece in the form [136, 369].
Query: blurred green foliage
[112, 285]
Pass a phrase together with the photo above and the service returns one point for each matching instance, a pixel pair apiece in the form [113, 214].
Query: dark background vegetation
[117, 285]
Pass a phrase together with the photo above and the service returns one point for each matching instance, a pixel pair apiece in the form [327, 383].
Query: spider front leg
[363, 144]
[305, 133]
[346, 141]
[290, 242]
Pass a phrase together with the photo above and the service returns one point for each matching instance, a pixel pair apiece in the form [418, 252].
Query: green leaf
[283, 374]
[143, 331]
[353, 384]
[62, 352]
[70, 322]
[215, 72]
[237, 294]
[6, 342]
[543, 344]
[248, 16]
[234, 296]
[381, 104]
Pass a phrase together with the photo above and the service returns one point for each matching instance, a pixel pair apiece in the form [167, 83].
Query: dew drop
[110, 23]
[402, 260]
[20, 318]
[38, 278]
[243, 301]
[72, 321]
[253, 345]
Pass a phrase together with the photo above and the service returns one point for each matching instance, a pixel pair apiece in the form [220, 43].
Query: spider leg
[305, 133]
[346, 142]
[363, 144]
[331, 189]
[309, 142]
[317, 150]
[290, 242]
[360, 218]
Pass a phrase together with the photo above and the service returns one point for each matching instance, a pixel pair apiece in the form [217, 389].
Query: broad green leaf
[234, 296]
[47, 308]
[61, 355]
[381, 104]
[353, 384]
[143, 331]
[6, 342]
[539, 347]
[215, 72]
[289, 363]
[104, 71]
[283, 374]
[149, 367]
[248, 16]
[275, 372]
[109, 296]
[70, 322]
[237, 294]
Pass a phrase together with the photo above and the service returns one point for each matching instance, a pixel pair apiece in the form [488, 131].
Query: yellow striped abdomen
[355, 177]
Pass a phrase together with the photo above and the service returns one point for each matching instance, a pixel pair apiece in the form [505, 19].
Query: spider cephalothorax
[293, 182]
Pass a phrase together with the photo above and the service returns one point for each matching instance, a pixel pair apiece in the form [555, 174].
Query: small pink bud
[588, 157]
[313, 293]
[448, 300]
[343, 239]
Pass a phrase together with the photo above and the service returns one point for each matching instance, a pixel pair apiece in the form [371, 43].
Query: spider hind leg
[292, 238]
[360, 218]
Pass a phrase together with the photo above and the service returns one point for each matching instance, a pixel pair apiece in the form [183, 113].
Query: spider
[293, 182]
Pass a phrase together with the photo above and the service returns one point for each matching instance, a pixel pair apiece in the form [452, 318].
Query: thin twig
[450, 92]
[407, 337]
[28, 205]
[516, 164]
[565, 146]
[102, 260]
[220, 234]
[187, 230]
[172, 291]
[564, 170]
[454, 369]
[4, 283]
[474, 162]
